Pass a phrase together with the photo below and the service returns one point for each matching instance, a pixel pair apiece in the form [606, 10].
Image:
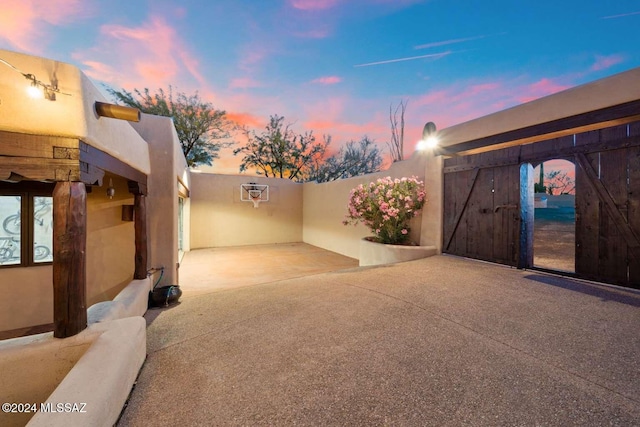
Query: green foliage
[386, 206]
[280, 152]
[202, 129]
[539, 188]
[353, 159]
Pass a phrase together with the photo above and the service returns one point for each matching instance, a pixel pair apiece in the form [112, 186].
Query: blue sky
[335, 66]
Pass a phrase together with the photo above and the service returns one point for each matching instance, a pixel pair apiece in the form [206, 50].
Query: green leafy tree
[202, 129]
[353, 159]
[280, 152]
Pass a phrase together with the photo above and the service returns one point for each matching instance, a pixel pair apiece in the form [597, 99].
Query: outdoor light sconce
[36, 88]
[429, 138]
[111, 191]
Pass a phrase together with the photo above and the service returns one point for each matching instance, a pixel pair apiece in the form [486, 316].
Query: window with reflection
[10, 235]
[26, 213]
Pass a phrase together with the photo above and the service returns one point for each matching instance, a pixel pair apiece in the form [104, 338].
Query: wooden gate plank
[634, 201]
[609, 205]
[480, 213]
[612, 250]
[587, 213]
[463, 207]
[505, 214]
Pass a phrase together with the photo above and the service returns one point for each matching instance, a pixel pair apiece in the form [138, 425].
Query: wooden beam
[562, 153]
[98, 158]
[140, 226]
[592, 120]
[137, 187]
[26, 145]
[69, 258]
[183, 190]
[39, 169]
[610, 206]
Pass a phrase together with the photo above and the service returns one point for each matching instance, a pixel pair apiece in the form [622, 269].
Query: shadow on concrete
[604, 292]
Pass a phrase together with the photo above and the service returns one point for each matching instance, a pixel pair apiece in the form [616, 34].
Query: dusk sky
[335, 66]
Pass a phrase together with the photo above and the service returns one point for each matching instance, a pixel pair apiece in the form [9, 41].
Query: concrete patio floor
[442, 341]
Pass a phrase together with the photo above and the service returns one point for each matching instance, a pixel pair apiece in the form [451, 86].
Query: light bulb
[34, 91]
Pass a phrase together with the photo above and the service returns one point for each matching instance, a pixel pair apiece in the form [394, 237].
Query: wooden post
[69, 258]
[140, 225]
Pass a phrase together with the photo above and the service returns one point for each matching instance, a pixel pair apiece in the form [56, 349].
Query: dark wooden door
[608, 207]
[482, 207]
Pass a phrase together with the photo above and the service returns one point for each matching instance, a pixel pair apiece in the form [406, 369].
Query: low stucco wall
[97, 366]
[220, 218]
[325, 207]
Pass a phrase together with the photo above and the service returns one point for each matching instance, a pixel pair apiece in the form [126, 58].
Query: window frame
[27, 192]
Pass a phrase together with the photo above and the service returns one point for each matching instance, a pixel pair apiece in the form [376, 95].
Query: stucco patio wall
[219, 218]
[325, 207]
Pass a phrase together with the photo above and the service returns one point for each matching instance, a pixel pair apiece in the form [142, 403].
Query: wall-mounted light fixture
[110, 190]
[429, 138]
[36, 88]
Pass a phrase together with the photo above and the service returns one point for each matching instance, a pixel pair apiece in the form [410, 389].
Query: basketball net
[256, 197]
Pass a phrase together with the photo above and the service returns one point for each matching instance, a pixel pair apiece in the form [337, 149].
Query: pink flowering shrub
[386, 206]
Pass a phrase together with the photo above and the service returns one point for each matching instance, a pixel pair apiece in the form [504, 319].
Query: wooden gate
[481, 207]
[485, 216]
[608, 205]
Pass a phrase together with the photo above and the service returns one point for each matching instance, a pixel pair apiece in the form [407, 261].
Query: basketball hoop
[254, 193]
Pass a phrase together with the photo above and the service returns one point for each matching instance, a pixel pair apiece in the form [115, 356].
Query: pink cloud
[24, 23]
[313, 4]
[327, 80]
[244, 83]
[246, 119]
[252, 55]
[604, 62]
[151, 55]
[542, 87]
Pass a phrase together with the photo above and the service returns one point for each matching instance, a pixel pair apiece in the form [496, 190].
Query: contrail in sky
[621, 16]
[411, 58]
[442, 43]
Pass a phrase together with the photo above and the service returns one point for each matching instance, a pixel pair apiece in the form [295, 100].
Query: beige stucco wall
[325, 207]
[70, 115]
[613, 90]
[110, 242]
[219, 218]
[31, 297]
[167, 165]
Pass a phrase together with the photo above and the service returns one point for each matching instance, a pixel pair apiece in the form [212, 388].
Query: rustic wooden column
[69, 258]
[140, 225]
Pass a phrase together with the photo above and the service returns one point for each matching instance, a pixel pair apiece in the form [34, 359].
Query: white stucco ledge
[372, 253]
[132, 301]
[102, 378]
